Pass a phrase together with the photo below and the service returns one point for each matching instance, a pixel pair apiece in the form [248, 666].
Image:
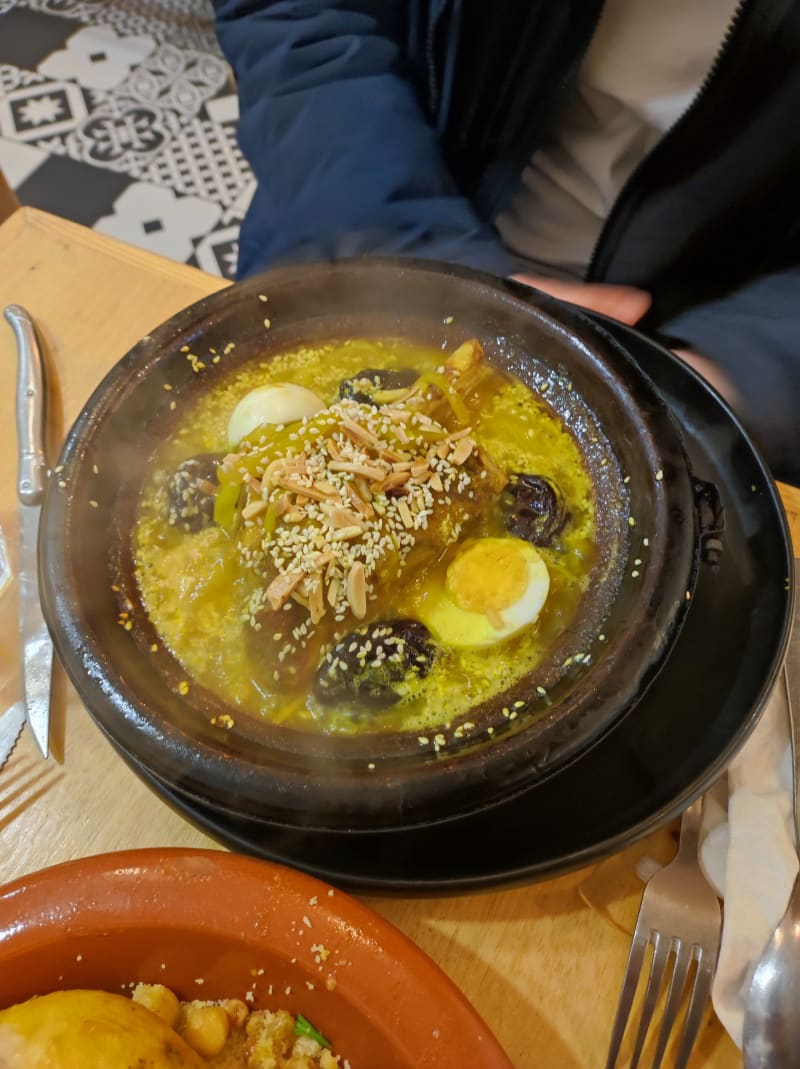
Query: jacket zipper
[430, 60]
[622, 202]
[488, 205]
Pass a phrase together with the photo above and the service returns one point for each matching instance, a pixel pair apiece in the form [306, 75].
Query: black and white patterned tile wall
[122, 116]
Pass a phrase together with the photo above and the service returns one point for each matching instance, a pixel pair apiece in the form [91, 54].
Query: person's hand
[712, 373]
[625, 303]
[628, 305]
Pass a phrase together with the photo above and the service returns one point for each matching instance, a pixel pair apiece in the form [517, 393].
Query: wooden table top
[542, 964]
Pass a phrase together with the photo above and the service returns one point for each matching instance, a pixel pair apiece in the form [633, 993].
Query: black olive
[371, 381]
[369, 662]
[533, 509]
[191, 489]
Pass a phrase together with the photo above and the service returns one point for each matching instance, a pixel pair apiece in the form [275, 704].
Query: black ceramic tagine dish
[651, 528]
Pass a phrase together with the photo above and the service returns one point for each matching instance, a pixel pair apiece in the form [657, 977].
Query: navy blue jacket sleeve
[345, 158]
[754, 335]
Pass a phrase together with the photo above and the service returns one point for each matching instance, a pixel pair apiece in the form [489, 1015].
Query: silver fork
[680, 916]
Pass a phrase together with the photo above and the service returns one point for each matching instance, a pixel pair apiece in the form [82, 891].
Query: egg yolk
[489, 576]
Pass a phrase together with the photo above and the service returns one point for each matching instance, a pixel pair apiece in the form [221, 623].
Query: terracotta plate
[179, 917]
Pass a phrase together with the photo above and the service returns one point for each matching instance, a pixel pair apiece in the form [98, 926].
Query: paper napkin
[747, 852]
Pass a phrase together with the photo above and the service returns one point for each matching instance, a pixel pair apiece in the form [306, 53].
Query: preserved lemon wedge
[89, 1030]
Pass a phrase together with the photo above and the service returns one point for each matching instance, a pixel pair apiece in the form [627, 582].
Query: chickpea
[160, 1001]
[237, 1011]
[205, 1028]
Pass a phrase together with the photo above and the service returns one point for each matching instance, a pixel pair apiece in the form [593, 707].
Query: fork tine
[654, 982]
[629, 985]
[701, 991]
[683, 959]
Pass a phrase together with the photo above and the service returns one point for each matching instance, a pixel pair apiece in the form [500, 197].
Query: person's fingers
[712, 373]
[625, 303]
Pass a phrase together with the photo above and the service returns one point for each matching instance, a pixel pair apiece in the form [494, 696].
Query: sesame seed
[183, 687]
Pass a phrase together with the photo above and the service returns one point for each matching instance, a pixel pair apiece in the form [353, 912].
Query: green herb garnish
[304, 1027]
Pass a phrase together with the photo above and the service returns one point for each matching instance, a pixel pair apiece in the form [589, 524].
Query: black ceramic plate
[675, 743]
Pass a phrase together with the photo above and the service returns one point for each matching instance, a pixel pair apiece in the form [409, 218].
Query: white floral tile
[96, 57]
[121, 137]
[43, 110]
[122, 115]
[218, 252]
[18, 160]
[155, 218]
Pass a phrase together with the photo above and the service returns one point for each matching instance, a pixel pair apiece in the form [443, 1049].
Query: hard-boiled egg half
[494, 587]
[279, 402]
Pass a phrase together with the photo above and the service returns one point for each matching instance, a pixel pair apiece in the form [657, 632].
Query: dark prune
[533, 509]
[190, 492]
[369, 663]
[367, 385]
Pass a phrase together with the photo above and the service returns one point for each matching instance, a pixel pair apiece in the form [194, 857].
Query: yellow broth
[197, 588]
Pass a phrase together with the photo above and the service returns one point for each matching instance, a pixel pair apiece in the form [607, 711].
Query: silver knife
[37, 649]
[11, 724]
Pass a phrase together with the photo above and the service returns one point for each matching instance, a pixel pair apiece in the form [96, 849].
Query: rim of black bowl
[144, 713]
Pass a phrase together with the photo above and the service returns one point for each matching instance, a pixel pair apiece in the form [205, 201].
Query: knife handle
[30, 408]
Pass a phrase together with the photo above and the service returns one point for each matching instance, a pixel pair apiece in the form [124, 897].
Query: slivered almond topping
[397, 478]
[308, 492]
[342, 517]
[454, 437]
[349, 505]
[395, 456]
[360, 495]
[405, 513]
[375, 474]
[281, 588]
[356, 589]
[396, 415]
[359, 433]
[255, 508]
[344, 534]
[282, 504]
[316, 599]
[462, 451]
[333, 450]
[273, 471]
